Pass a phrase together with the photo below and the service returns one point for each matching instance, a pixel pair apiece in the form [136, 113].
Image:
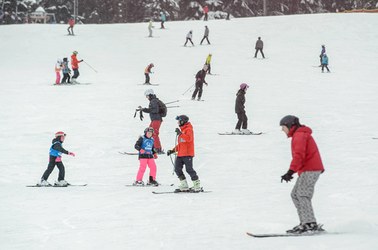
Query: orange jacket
[74, 62]
[185, 146]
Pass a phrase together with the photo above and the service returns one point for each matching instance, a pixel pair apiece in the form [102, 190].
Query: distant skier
[189, 37]
[58, 68]
[56, 151]
[207, 63]
[163, 18]
[147, 156]
[75, 66]
[206, 35]
[322, 52]
[306, 161]
[147, 72]
[240, 111]
[150, 27]
[66, 71]
[259, 47]
[325, 63]
[185, 154]
[71, 24]
[200, 80]
[205, 12]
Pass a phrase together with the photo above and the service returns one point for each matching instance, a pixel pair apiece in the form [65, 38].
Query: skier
[322, 52]
[189, 38]
[155, 116]
[207, 63]
[259, 47]
[206, 35]
[75, 66]
[306, 161]
[325, 62]
[150, 26]
[205, 12]
[240, 110]
[147, 72]
[56, 151]
[66, 71]
[185, 154]
[58, 68]
[71, 23]
[147, 156]
[200, 80]
[163, 18]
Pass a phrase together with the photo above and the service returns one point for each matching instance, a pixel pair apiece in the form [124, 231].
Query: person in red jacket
[185, 154]
[205, 11]
[307, 163]
[71, 23]
[75, 66]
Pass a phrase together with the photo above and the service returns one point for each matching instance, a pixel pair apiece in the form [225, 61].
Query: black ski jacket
[240, 101]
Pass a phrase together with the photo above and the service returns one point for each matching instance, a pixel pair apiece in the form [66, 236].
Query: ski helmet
[289, 121]
[183, 119]
[75, 52]
[65, 59]
[244, 86]
[60, 133]
[149, 129]
[149, 92]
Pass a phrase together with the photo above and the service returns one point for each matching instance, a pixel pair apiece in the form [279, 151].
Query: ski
[132, 185]
[284, 234]
[149, 84]
[374, 138]
[127, 153]
[231, 133]
[69, 185]
[177, 191]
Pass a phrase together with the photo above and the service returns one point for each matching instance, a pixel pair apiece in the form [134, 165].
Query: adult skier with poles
[75, 66]
[200, 80]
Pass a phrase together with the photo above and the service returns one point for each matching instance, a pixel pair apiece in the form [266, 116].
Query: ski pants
[188, 162]
[199, 87]
[190, 40]
[302, 194]
[143, 163]
[326, 66]
[261, 51]
[51, 166]
[208, 70]
[57, 80]
[150, 32]
[66, 78]
[162, 25]
[155, 124]
[76, 73]
[147, 78]
[207, 39]
[70, 32]
[242, 121]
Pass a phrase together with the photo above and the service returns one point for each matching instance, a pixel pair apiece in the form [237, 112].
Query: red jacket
[185, 146]
[74, 62]
[205, 9]
[305, 153]
[71, 22]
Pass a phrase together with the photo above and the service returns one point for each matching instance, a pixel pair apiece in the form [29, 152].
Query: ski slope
[243, 172]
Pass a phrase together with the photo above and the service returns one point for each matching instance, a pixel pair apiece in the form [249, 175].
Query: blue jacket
[147, 144]
[56, 148]
[325, 59]
[163, 17]
[65, 68]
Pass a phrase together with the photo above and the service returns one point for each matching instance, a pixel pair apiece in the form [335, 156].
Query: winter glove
[178, 131]
[81, 60]
[206, 84]
[288, 176]
[169, 152]
[71, 153]
[155, 156]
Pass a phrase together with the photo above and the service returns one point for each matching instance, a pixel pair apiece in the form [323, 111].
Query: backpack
[162, 108]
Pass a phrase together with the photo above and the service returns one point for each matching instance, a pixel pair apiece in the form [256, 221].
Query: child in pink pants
[147, 156]
[58, 68]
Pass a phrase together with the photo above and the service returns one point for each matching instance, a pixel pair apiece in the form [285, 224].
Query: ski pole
[171, 102]
[188, 89]
[173, 107]
[90, 66]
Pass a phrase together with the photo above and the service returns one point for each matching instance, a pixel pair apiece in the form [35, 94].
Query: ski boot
[61, 183]
[310, 227]
[246, 131]
[138, 183]
[196, 186]
[237, 132]
[183, 186]
[43, 183]
[152, 182]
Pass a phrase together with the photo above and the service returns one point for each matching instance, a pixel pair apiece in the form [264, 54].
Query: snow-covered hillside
[243, 172]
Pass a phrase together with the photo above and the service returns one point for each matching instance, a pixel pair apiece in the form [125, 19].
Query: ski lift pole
[188, 89]
[90, 66]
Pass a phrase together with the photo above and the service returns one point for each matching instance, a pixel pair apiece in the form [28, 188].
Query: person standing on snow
[155, 116]
[66, 71]
[200, 80]
[58, 68]
[163, 18]
[325, 62]
[75, 66]
[185, 154]
[189, 38]
[322, 52]
[147, 72]
[71, 23]
[205, 13]
[306, 161]
[259, 47]
[207, 63]
[147, 156]
[56, 151]
[240, 110]
[150, 27]
[206, 35]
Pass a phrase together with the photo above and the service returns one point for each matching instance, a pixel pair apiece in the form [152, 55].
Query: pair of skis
[57, 186]
[285, 234]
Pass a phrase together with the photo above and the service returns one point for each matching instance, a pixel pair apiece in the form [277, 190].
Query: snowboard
[232, 133]
[69, 185]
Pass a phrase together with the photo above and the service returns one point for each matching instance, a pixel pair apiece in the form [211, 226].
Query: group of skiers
[62, 65]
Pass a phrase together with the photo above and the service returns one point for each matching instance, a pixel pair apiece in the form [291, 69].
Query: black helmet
[289, 121]
[149, 129]
[182, 119]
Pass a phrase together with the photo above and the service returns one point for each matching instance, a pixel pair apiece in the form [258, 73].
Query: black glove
[288, 176]
[81, 60]
[178, 131]
[170, 152]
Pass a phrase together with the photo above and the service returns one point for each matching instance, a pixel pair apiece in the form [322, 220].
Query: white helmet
[149, 92]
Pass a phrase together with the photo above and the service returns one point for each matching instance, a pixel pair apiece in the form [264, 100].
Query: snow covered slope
[242, 171]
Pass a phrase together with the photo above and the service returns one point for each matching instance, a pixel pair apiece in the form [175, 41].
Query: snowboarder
[150, 27]
[306, 161]
[75, 66]
[206, 35]
[207, 63]
[200, 80]
[205, 12]
[58, 68]
[71, 23]
[240, 110]
[155, 116]
[56, 151]
[189, 38]
[325, 62]
[163, 18]
[66, 71]
[147, 72]
[322, 52]
[185, 154]
[147, 156]
[259, 47]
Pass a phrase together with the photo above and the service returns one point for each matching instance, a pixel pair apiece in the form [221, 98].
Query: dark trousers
[326, 66]
[50, 168]
[205, 17]
[261, 51]
[147, 78]
[190, 40]
[162, 25]
[188, 162]
[76, 73]
[199, 86]
[242, 120]
[70, 32]
[66, 78]
[207, 39]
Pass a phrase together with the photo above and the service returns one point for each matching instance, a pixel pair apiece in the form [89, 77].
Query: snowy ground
[242, 171]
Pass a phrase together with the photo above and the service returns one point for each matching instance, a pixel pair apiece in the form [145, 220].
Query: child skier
[75, 66]
[240, 110]
[200, 80]
[56, 151]
[163, 18]
[71, 23]
[322, 52]
[147, 72]
[58, 68]
[307, 163]
[325, 63]
[66, 71]
[189, 38]
[185, 154]
[147, 156]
